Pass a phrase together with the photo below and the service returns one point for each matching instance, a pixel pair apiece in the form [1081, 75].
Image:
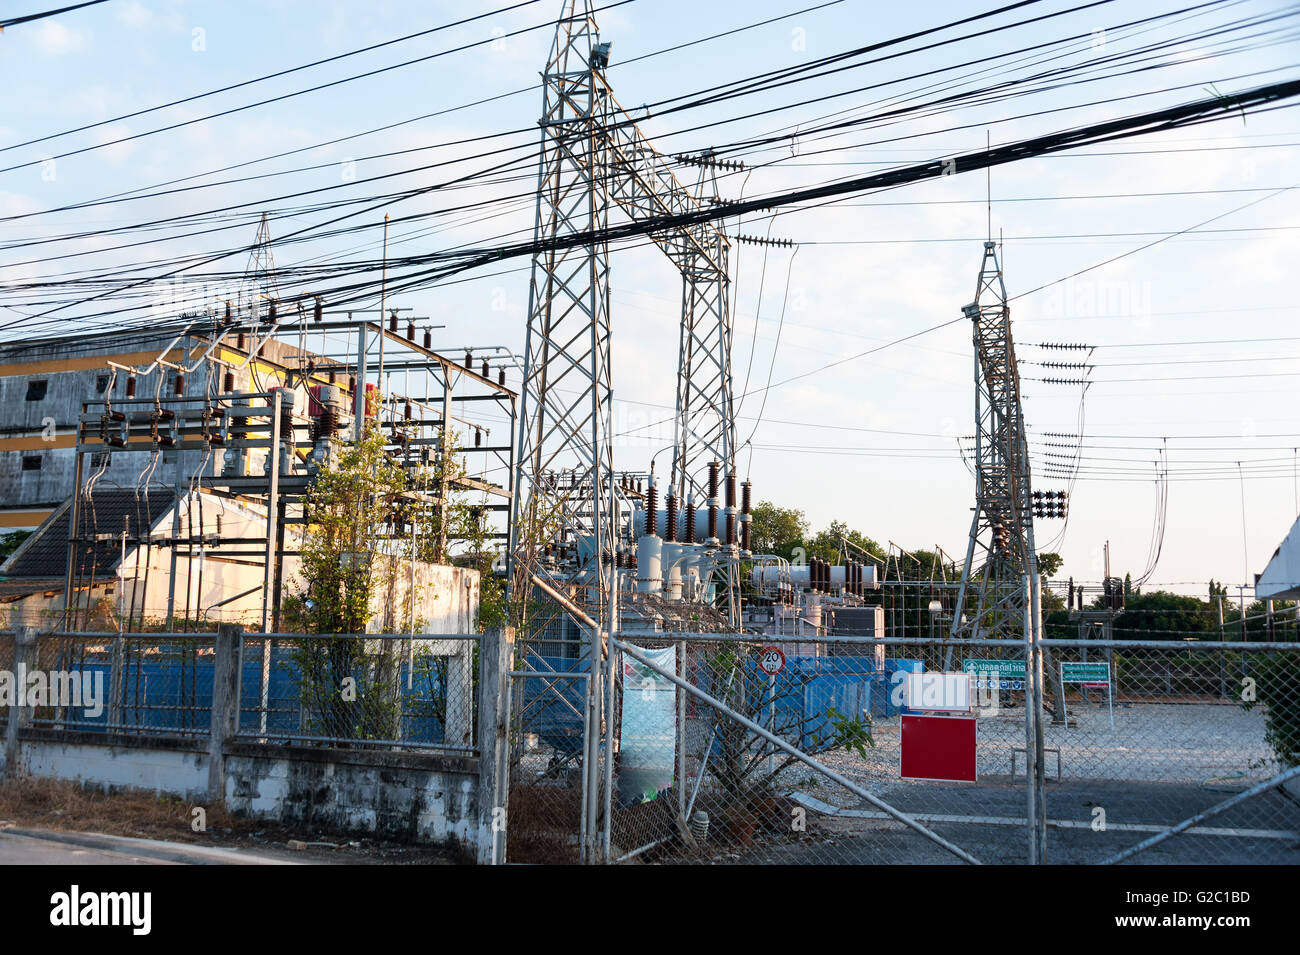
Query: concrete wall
[446, 599]
[431, 799]
[408, 797]
[179, 772]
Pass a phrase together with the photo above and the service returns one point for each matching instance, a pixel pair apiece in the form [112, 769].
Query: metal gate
[684, 748]
[1186, 753]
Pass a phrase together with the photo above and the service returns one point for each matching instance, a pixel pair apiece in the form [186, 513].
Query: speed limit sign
[771, 660]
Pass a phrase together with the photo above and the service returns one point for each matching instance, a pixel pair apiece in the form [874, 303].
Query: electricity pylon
[259, 276]
[1001, 566]
[595, 161]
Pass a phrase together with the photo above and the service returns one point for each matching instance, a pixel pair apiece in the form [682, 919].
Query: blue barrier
[174, 694]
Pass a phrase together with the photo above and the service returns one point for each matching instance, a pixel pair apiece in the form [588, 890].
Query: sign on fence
[941, 692]
[996, 674]
[771, 660]
[938, 748]
[648, 740]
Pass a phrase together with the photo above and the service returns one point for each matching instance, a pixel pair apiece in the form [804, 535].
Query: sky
[1190, 338]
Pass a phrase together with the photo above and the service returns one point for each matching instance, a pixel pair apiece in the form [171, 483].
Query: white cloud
[135, 15]
[55, 39]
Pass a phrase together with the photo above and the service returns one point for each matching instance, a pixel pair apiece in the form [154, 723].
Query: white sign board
[938, 692]
[1093, 676]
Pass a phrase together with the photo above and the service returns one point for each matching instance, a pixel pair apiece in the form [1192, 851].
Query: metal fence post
[224, 722]
[496, 653]
[1034, 777]
[19, 714]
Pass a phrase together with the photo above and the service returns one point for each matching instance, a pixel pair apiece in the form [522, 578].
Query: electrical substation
[587, 649]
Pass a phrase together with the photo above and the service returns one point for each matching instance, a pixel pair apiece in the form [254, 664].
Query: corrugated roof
[109, 512]
[14, 589]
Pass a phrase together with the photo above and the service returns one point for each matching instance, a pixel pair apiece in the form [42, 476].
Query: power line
[31, 17]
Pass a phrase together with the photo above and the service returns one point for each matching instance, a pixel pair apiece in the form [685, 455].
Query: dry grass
[543, 824]
[68, 807]
[57, 804]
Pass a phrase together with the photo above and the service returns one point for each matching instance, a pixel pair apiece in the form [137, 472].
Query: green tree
[1049, 563]
[354, 540]
[776, 530]
[1161, 615]
[828, 544]
[11, 541]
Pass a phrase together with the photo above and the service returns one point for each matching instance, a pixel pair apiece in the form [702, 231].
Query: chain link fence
[389, 690]
[138, 684]
[6, 666]
[550, 733]
[798, 766]
[415, 692]
[1155, 734]
[737, 749]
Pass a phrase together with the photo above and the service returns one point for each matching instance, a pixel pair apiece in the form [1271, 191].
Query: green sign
[1085, 673]
[1000, 668]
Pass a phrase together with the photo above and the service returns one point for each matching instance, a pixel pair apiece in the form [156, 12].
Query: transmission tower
[260, 282]
[594, 161]
[1001, 567]
[705, 420]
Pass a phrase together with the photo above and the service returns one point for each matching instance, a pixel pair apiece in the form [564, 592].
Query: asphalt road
[45, 847]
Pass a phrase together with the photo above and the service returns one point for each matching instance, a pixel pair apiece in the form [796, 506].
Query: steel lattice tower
[563, 452]
[263, 289]
[1000, 563]
[705, 428]
[594, 161]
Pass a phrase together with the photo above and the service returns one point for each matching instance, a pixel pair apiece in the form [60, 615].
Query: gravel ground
[1169, 743]
[1161, 764]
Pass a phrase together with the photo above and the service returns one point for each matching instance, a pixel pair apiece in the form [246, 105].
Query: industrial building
[142, 463]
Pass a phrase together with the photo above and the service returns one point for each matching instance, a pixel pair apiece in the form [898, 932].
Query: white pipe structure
[797, 576]
[649, 564]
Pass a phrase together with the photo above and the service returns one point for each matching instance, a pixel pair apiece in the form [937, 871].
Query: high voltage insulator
[1062, 364]
[1063, 381]
[1075, 345]
[760, 240]
[1050, 503]
[709, 161]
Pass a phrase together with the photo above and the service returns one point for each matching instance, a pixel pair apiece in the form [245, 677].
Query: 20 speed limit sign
[771, 660]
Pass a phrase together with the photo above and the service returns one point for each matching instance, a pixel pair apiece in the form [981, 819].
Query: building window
[36, 389]
[101, 384]
[31, 462]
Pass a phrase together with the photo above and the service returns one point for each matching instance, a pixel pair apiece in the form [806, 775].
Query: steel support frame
[1003, 489]
[1001, 566]
[593, 156]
